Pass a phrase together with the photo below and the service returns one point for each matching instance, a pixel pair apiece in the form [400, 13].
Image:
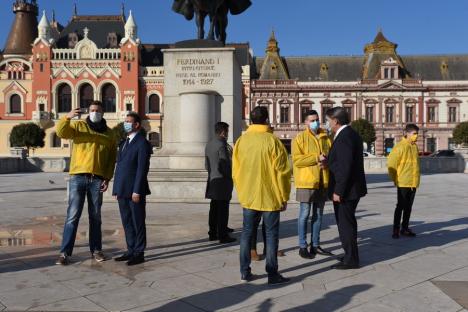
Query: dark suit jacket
[218, 164]
[346, 164]
[131, 173]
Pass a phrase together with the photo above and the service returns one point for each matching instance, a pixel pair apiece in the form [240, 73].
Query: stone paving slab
[76, 304]
[186, 272]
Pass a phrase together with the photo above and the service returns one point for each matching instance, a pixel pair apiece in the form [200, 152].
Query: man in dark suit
[131, 187]
[218, 155]
[347, 182]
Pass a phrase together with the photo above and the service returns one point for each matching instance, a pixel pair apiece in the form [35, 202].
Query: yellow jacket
[403, 164]
[261, 170]
[92, 152]
[306, 149]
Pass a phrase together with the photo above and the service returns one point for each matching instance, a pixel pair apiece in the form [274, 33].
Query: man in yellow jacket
[309, 154]
[91, 167]
[262, 176]
[404, 171]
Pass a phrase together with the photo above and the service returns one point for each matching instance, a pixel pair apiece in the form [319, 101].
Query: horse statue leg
[211, 35]
[221, 23]
[200, 18]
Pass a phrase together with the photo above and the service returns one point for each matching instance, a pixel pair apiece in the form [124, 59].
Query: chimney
[24, 28]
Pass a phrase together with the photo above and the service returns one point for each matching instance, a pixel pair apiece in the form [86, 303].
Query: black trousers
[253, 241]
[133, 220]
[218, 218]
[345, 214]
[404, 206]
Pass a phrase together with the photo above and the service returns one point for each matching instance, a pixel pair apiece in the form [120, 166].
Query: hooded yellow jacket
[92, 152]
[403, 164]
[306, 149]
[261, 170]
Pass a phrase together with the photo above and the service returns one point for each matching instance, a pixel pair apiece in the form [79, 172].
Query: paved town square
[186, 272]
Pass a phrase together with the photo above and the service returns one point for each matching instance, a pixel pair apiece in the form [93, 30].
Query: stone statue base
[202, 85]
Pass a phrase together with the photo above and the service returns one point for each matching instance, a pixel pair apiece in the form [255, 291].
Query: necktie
[127, 141]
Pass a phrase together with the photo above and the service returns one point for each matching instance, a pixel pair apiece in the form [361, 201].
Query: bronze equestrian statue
[217, 10]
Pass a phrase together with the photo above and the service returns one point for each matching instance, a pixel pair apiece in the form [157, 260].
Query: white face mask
[95, 116]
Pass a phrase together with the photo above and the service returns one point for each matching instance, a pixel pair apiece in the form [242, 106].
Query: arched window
[64, 98]
[55, 140]
[108, 97]
[154, 104]
[154, 139]
[15, 104]
[86, 95]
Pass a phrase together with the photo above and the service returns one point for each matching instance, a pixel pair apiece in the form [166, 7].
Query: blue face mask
[314, 125]
[128, 127]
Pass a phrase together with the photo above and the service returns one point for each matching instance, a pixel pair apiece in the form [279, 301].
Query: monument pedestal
[201, 87]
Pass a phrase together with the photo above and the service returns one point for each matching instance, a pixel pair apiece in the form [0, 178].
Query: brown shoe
[254, 255]
[280, 253]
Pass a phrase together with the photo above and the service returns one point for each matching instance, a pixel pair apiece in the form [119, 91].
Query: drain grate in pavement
[456, 290]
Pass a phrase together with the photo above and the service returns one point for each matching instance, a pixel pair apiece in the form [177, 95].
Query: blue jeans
[271, 220]
[82, 187]
[316, 223]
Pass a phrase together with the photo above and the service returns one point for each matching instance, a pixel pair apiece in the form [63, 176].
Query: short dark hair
[221, 127]
[310, 112]
[338, 113]
[97, 103]
[259, 115]
[135, 116]
[411, 127]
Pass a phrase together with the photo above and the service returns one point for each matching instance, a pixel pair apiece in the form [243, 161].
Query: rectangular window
[451, 143]
[284, 114]
[370, 113]
[386, 74]
[129, 66]
[349, 110]
[129, 107]
[431, 114]
[41, 67]
[392, 73]
[304, 110]
[409, 113]
[431, 145]
[324, 111]
[452, 114]
[389, 114]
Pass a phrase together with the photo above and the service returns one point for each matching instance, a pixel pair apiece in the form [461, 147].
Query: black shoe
[342, 266]
[304, 253]
[63, 260]
[247, 277]
[396, 233]
[229, 230]
[124, 257]
[407, 232]
[319, 250]
[227, 240]
[277, 280]
[213, 238]
[136, 260]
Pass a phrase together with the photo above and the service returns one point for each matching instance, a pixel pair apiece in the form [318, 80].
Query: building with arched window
[47, 69]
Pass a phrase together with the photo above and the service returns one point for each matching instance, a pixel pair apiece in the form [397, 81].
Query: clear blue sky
[302, 27]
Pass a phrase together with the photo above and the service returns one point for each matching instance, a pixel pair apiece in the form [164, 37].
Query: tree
[28, 135]
[120, 132]
[460, 133]
[365, 129]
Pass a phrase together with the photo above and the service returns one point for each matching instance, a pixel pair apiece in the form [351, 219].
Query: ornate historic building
[381, 86]
[46, 69]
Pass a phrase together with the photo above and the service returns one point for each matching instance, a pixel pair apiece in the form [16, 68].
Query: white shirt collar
[131, 136]
[339, 130]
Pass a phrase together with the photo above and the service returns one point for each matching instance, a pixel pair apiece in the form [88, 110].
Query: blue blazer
[131, 172]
